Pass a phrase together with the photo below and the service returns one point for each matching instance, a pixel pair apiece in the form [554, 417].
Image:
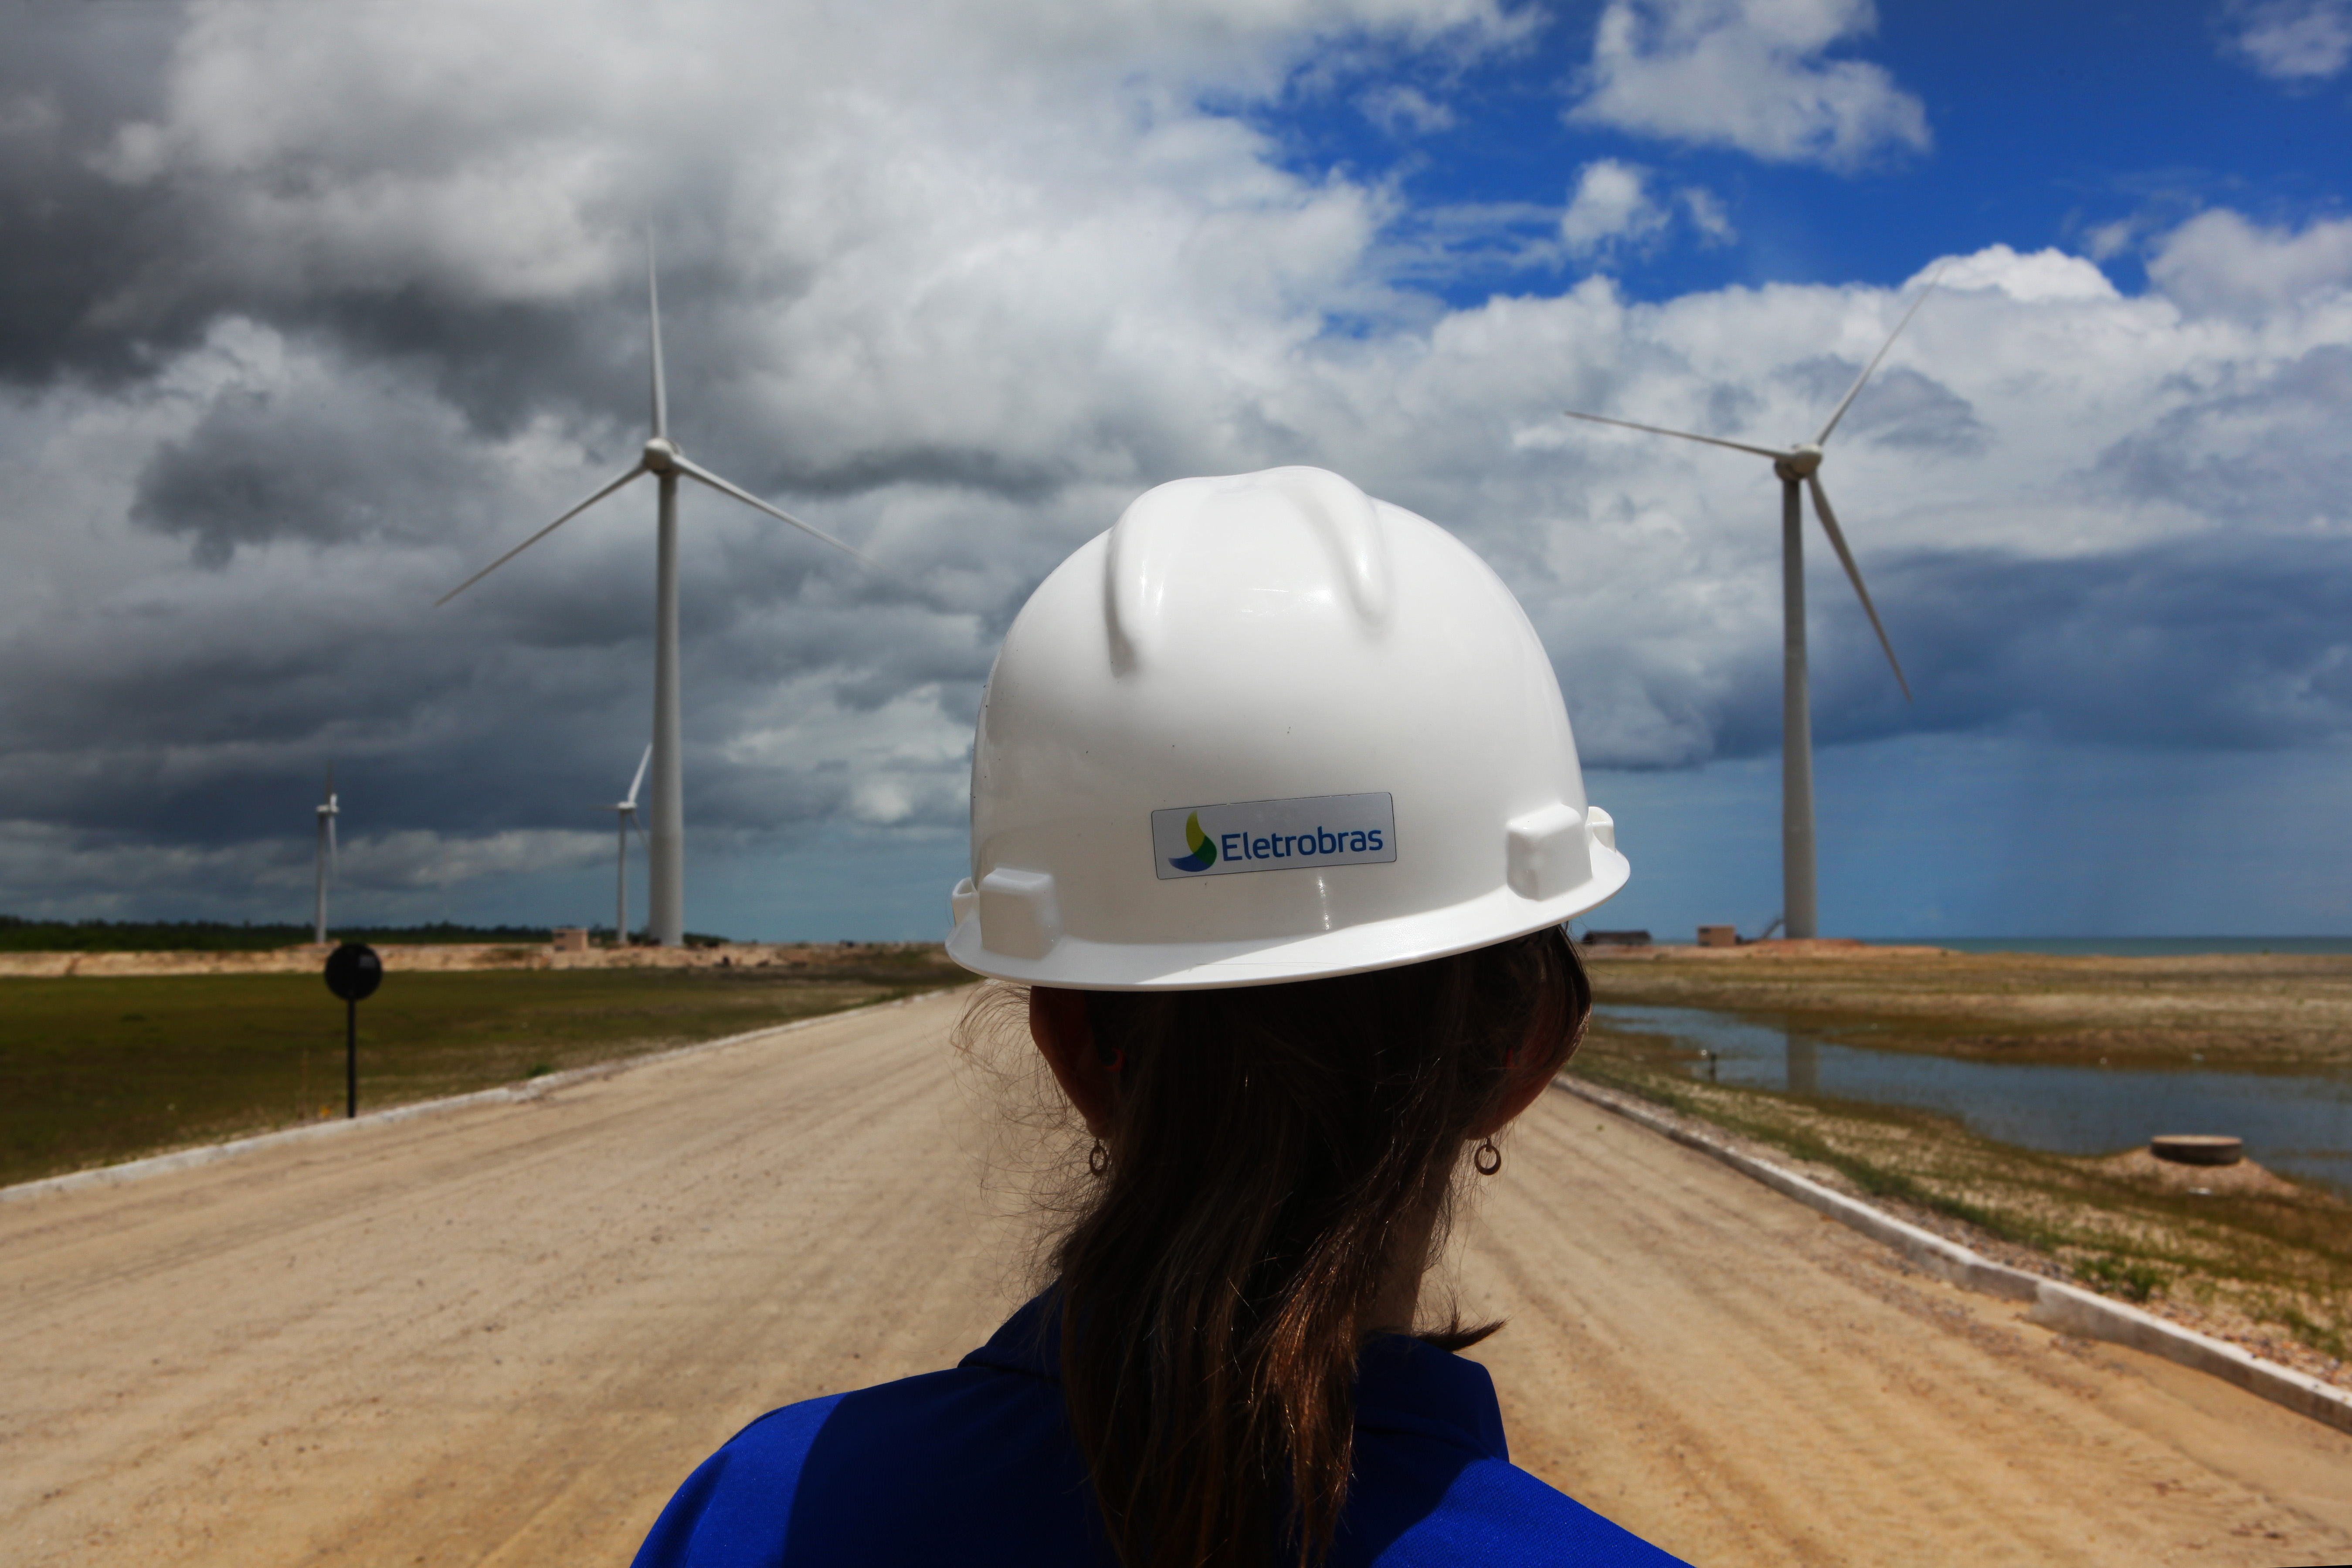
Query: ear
[1520, 1091]
[1065, 1036]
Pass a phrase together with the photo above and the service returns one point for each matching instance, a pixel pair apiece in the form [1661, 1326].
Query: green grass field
[98, 1070]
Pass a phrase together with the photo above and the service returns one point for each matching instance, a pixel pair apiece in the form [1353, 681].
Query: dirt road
[502, 1335]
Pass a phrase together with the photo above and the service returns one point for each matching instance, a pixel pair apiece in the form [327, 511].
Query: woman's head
[1278, 1156]
[1249, 765]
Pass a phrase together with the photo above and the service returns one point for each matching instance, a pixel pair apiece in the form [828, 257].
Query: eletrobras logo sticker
[1273, 835]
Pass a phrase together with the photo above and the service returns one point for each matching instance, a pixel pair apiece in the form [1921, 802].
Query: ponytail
[1274, 1146]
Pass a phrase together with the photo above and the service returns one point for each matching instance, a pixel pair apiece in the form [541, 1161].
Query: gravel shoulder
[1745, 1380]
[503, 1334]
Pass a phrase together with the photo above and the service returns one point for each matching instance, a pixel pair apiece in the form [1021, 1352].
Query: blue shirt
[977, 1467]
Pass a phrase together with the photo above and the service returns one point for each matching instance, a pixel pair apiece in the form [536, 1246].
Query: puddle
[2297, 1125]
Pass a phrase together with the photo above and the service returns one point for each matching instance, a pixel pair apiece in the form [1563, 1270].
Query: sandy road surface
[502, 1335]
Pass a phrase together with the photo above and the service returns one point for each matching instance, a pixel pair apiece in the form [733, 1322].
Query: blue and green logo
[1203, 855]
[1241, 835]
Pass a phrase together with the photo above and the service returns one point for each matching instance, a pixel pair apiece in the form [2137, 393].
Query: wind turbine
[328, 811]
[663, 459]
[625, 819]
[1799, 469]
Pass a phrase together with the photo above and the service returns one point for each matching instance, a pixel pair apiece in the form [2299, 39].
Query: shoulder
[1433, 1483]
[736, 1506]
[912, 1472]
[1493, 1511]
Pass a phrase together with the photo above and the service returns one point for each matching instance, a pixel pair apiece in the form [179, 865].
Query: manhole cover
[2197, 1149]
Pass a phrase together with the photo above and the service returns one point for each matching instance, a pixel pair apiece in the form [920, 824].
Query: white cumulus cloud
[2294, 41]
[1614, 208]
[1749, 74]
[1403, 109]
[2218, 261]
[1611, 205]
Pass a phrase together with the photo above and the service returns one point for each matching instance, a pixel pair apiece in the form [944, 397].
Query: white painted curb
[2067, 1308]
[529, 1088]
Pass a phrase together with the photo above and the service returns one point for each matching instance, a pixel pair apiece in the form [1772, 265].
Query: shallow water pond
[2298, 1125]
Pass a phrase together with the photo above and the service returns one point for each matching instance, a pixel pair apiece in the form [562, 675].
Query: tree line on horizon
[20, 935]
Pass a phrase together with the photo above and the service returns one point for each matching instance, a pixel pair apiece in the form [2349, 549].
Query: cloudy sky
[311, 310]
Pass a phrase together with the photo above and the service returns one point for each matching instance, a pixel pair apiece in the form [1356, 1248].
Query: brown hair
[1273, 1147]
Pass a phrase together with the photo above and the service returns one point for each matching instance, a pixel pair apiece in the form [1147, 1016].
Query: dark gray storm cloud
[338, 461]
[2269, 449]
[2239, 643]
[75, 240]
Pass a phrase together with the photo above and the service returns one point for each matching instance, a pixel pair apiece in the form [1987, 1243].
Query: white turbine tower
[1799, 469]
[328, 811]
[665, 852]
[626, 817]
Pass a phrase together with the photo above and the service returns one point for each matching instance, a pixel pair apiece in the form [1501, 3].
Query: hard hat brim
[1075, 964]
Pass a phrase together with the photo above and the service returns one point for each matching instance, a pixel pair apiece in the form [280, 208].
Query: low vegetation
[20, 935]
[98, 1070]
[2254, 1013]
[2237, 1251]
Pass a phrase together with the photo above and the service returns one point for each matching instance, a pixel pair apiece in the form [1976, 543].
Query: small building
[571, 938]
[1616, 939]
[1718, 936]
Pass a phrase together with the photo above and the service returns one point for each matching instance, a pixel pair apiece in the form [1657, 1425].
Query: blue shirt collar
[1402, 1384]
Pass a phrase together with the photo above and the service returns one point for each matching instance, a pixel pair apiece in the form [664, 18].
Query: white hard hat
[1268, 729]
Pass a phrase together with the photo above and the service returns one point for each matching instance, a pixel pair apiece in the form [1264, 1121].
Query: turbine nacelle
[1799, 463]
[1798, 469]
[661, 455]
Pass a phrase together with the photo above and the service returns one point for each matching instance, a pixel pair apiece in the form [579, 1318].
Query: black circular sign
[353, 972]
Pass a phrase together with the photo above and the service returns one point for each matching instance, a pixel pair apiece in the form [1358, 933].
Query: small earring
[1099, 1158]
[1487, 1158]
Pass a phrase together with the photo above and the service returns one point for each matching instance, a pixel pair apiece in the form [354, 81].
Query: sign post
[353, 972]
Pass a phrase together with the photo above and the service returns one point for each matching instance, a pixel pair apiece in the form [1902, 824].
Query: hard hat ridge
[1267, 728]
[1148, 541]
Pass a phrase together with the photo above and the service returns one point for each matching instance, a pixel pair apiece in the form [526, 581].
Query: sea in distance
[2126, 947]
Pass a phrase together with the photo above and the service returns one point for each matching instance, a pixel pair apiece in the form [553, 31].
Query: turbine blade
[1845, 558]
[1662, 430]
[643, 763]
[634, 470]
[1855, 390]
[331, 781]
[333, 864]
[653, 301]
[748, 498]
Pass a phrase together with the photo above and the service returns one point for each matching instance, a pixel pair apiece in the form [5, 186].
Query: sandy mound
[2245, 1177]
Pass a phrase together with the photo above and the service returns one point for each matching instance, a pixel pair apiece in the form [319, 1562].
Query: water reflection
[1804, 1074]
[2299, 1124]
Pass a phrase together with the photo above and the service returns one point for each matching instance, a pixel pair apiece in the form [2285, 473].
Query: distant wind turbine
[328, 811]
[661, 457]
[1799, 469]
[626, 817]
